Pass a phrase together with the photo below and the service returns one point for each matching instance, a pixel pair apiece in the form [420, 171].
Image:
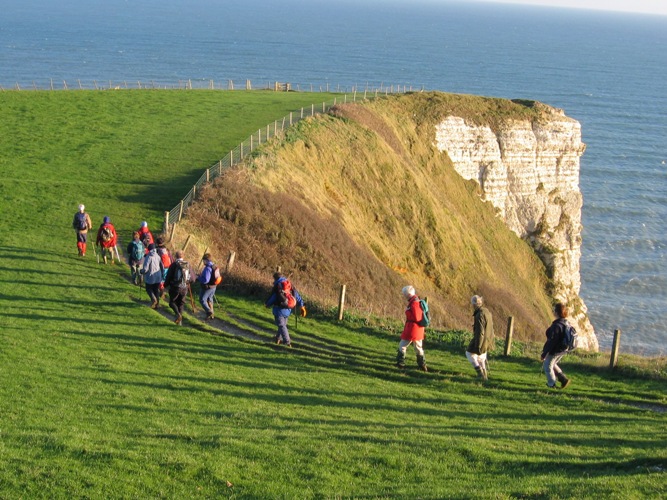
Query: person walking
[413, 333]
[145, 235]
[177, 281]
[106, 239]
[555, 348]
[153, 271]
[209, 279]
[284, 297]
[482, 337]
[135, 258]
[82, 224]
[165, 256]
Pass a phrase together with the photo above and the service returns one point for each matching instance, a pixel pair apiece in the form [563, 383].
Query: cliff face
[529, 170]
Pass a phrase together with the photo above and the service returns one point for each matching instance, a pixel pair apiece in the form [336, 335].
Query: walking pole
[117, 254]
[97, 256]
[192, 299]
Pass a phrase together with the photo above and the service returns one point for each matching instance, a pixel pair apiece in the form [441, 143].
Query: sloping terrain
[361, 197]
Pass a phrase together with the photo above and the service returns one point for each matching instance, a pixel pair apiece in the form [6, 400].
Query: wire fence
[201, 84]
[246, 148]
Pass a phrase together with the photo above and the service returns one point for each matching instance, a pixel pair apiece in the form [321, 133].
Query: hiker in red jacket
[145, 236]
[107, 238]
[412, 332]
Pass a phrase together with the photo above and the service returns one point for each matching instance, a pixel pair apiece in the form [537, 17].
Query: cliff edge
[529, 171]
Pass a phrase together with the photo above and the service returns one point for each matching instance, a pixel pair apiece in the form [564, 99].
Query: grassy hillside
[102, 397]
[362, 197]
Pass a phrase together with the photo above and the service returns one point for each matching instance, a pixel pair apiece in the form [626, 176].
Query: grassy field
[101, 397]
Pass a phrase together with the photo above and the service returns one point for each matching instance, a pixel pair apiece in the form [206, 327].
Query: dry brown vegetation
[362, 197]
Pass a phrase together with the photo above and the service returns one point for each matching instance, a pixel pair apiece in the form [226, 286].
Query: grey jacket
[153, 269]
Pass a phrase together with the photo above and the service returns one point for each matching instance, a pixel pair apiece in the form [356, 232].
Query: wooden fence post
[614, 349]
[341, 303]
[165, 227]
[508, 337]
[180, 212]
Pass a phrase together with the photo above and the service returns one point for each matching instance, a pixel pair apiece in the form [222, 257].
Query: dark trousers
[153, 291]
[177, 299]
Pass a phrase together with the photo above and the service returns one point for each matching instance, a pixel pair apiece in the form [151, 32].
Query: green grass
[101, 397]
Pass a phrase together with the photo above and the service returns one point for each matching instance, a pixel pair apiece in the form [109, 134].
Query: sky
[642, 6]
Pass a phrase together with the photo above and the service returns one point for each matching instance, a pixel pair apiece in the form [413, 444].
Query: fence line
[203, 84]
[246, 148]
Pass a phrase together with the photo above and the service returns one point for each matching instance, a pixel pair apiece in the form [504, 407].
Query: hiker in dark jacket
[135, 257]
[177, 281]
[555, 348]
[207, 286]
[482, 337]
[82, 224]
[280, 307]
[153, 271]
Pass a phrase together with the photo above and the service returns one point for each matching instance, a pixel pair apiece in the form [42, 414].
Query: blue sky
[644, 6]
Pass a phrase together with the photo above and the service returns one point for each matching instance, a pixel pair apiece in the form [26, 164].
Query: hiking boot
[564, 381]
[277, 340]
[154, 304]
[400, 359]
[179, 320]
[209, 316]
[481, 373]
[422, 363]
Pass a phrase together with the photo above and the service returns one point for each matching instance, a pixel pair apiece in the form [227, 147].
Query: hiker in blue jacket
[555, 348]
[207, 285]
[283, 299]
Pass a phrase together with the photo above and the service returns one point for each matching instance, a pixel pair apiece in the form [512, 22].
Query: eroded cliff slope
[367, 196]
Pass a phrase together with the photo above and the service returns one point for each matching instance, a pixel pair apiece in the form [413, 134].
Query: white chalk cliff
[530, 172]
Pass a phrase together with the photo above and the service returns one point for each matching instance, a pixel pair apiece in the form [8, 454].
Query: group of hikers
[561, 338]
[152, 264]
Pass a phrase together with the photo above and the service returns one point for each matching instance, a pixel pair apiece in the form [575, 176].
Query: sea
[608, 70]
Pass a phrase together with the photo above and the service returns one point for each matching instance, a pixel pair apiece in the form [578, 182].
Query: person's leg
[477, 361]
[204, 295]
[419, 349]
[153, 293]
[551, 368]
[400, 355]
[283, 333]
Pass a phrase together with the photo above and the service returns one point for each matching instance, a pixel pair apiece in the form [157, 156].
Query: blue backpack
[80, 221]
[137, 250]
[570, 339]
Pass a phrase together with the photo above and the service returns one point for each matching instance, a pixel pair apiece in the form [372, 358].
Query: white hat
[408, 291]
[81, 208]
[477, 301]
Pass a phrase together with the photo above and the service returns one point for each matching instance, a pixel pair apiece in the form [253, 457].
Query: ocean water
[607, 70]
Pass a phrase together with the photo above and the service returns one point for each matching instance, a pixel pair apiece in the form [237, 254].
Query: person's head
[206, 258]
[159, 241]
[408, 291]
[560, 310]
[107, 219]
[179, 254]
[477, 301]
[144, 224]
[151, 246]
[277, 276]
[82, 208]
[136, 235]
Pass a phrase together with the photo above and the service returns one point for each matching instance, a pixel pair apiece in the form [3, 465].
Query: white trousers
[417, 344]
[476, 360]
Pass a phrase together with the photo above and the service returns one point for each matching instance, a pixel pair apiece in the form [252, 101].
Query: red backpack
[165, 256]
[285, 296]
